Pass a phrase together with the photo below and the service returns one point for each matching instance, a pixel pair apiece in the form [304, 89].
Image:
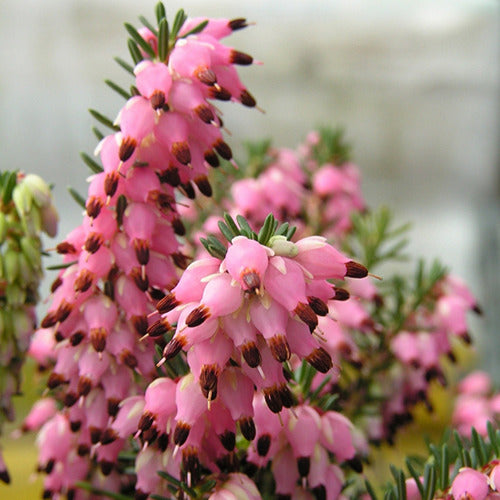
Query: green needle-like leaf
[104, 120]
[117, 89]
[91, 163]
[77, 197]
[160, 12]
[179, 20]
[125, 65]
[139, 40]
[163, 40]
[148, 25]
[135, 53]
[197, 29]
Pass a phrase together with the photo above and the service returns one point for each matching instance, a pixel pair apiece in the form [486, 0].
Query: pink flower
[470, 483]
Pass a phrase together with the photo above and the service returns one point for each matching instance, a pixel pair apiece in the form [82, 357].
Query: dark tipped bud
[273, 399]
[204, 113]
[247, 99]
[206, 76]
[247, 428]
[307, 315]
[286, 396]
[263, 444]
[63, 311]
[181, 433]
[111, 183]
[93, 242]
[141, 248]
[170, 176]
[237, 24]
[146, 421]
[303, 466]
[211, 158]
[127, 148]
[223, 149]
[228, 440]
[55, 380]
[178, 226]
[340, 293]
[279, 348]
[198, 316]
[355, 270]
[113, 406]
[64, 247]
[181, 152]
[188, 190]
[240, 58]
[318, 306]
[157, 99]
[167, 303]
[320, 359]
[128, 359]
[221, 93]
[251, 354]
[56, 284]
[93, 206]
[208, 381]
[49, 320]
[84, 386]
[204, 185]
[70, 398]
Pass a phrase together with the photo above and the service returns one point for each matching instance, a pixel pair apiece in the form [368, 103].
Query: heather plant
[220, 333]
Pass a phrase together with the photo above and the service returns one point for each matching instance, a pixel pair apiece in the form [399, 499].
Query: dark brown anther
[56, 284]
[58, 336]
[98, 338]
[279, 348]
[355, 270]
[146, 421]
[55, 380]
[167, 303]
[273, 399]
[206, 76]
[188, 190]
[163, 201]
[221, 94]
[83, 280]
[181, 433]
[160, 327]
[140, 495]
[198, 316]
[303, 466]
[307, 315]
[64, 247]
[84, 386]
[238, 23]
[76, 338]
[451, 356]
[240, 58]
[95, 435]
[251, 354]
[355, 464]
[157, 99]
[162, 441]
[170, 176]
[140, 324]
[191, 463]
[247, 99]
[141, 281]
[128, 359]
[75, 426]
[121, 206]
[46, 494]
[113, 406]
[156, 293]
[466, 337]
[204, 113]
[93, 206]
[181, 152]
[180, 260]
[318, 306]
[108, 436]
[319, 492]
[251, 279]
[83, 450]
[211, 158]
[49, 467]
[150, 435]
[71, 494]
[141, 248]
[111, 183]
[70, 398]
[263, 444]
[286, 396]
[223, 149]
[127, 148]
[208, 381]
[477, 309]
[247, 428]
[173, 348]
[228, 440]
[49, 320]
[178, 226]
[340, 293]
[63, 311]
[204, 185]
[320, 359]
[106, 467]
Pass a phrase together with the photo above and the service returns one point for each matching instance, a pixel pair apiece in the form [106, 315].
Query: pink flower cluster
[123, 257]
[476, 404]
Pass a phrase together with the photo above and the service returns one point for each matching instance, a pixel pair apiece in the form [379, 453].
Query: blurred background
[416, 84]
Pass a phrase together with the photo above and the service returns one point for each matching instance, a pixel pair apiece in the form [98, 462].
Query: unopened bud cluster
[26, 210]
